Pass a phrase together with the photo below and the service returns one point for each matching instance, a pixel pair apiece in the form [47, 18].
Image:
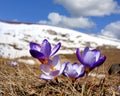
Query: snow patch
[15, 38]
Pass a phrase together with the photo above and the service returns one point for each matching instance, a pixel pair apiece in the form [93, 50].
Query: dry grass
[23, 80]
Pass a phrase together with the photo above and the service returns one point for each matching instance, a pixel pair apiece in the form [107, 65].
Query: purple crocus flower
[13, 63]
[43, 51]
[52, 69]
[90, 58]
[73, 71]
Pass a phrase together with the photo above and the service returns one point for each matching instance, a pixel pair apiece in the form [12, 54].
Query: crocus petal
[97, 53]
[75, 65]
[85, 51]
[58, 65]
[45, 68]
[78, 55]
[55, 49]
[62, 68]
[35, 46]
[69, 71]
[100, 61]
[69, 67]
[66, 69]
[46, 48]
[89, 58]
[55, 60]
[54, 73]
[46, 77]
[80, 70]
[74, 74]
[37, 54]
[81, 57]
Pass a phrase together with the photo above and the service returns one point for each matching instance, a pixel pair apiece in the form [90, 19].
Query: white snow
[15, 38]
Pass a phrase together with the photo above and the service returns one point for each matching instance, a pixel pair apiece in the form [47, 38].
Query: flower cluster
[51, 66]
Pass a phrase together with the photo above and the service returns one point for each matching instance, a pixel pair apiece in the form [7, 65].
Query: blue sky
[89, 16]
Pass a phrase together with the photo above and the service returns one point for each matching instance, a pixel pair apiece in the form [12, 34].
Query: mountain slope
[15, 38]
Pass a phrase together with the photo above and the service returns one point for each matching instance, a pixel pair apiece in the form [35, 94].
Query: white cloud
[90, 7]
[63, 21]
[112, 30]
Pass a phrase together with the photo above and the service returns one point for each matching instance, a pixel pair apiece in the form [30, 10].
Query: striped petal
[54, 73]
[46, 48]
[37, 54]
[55, 49]
[79, 55]
[46, 77]
[99, 62]
[35, 46]
[45, 68]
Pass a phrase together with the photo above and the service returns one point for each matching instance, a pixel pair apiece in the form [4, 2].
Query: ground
[23, 79]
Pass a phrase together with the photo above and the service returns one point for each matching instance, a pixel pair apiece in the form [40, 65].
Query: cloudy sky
[89, 16]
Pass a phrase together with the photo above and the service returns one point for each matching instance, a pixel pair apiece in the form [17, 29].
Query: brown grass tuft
[23, 80]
